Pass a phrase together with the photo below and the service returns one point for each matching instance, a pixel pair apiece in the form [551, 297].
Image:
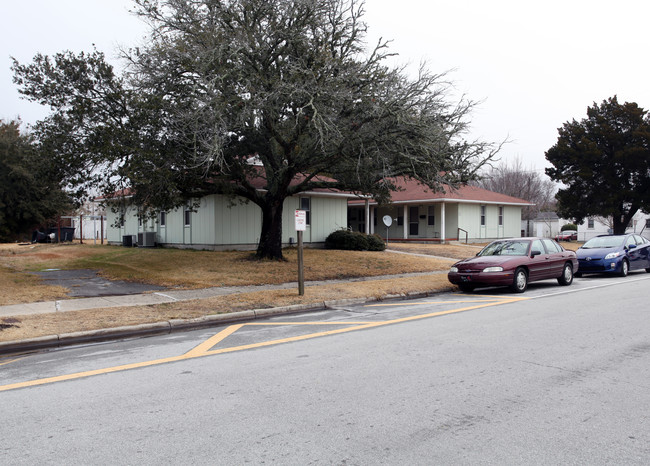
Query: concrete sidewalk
[169, 326]
[167, 296]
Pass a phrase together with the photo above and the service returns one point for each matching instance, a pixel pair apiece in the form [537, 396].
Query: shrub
[375, 243]
[569, 226]
[353, 241]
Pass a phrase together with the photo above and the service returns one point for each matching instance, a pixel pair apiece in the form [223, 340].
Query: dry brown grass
[453, 251]
[65, 322]
[571, 246]
[194, 269]
[198, 269]
[21, 287]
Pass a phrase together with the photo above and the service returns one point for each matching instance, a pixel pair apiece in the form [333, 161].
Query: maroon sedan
[515, 262]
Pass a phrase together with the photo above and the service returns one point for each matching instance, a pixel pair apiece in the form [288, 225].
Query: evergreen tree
[604, 162]
[30, 192]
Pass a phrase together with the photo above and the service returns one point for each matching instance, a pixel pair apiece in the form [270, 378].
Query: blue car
[617, 254]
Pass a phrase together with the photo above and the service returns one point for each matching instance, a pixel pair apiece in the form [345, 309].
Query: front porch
[427, 223]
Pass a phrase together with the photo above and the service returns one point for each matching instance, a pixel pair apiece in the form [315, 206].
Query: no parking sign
[301, 220]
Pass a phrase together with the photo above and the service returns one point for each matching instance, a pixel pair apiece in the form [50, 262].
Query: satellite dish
[388, 221]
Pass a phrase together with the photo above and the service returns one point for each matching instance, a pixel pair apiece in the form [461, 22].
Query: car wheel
[466, 288]
[567, 275]
[648, 270]
[625, 268]
[520, 281]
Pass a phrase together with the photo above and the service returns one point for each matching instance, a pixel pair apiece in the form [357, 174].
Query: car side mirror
[631, 246]
[535, 253]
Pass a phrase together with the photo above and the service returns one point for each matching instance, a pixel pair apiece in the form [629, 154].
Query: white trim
[449, 200]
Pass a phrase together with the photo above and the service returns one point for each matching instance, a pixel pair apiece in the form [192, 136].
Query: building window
[305, 204]
[163, 219]
[374, 216]
[432, 216]
[647, 222]
[482, 215]
[188, 215]
[500, 216]
[139, 220]
[590, 223]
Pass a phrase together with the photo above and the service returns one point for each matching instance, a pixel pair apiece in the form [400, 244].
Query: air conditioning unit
[147, 239]
[128, 241]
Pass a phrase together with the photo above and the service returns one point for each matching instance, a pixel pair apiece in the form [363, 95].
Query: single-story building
[221, 222]
[416, 213]
[468, 213]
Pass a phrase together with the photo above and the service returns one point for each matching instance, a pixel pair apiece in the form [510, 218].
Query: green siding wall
[221, 221]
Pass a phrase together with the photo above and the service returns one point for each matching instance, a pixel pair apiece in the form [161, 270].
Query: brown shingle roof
[414, 191]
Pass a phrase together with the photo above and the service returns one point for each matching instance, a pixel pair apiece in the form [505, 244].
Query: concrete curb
[176, 325]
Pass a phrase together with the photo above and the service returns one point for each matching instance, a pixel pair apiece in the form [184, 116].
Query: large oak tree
[289, 84]
[604, 162]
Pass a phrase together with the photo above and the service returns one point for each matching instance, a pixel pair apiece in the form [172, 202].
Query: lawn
[196, 269]
[190, 269]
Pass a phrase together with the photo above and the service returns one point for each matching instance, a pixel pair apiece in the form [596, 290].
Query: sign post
[301, 225]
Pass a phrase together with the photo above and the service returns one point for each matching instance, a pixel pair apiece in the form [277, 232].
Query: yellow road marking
[439, 302]
[291, 339]
[267, 324]
[10, 361]
[210, 342]
[203, 349]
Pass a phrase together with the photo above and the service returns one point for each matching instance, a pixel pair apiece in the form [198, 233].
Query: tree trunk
[270, 245]
[618, 226]
[620, 222]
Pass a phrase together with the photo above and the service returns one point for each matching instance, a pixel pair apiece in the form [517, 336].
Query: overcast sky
[533, 65]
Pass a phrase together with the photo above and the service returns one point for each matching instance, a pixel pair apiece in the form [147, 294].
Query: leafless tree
[515, 179]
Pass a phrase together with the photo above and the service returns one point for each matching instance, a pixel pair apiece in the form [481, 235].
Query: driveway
[86, 283]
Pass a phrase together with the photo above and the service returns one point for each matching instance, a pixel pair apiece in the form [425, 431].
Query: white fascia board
[459, 201]
[321, 194]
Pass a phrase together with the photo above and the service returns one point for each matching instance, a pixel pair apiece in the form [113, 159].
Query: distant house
[221, 222]
[90, 222]
[418, 214]
[594, 226]
[547, 224]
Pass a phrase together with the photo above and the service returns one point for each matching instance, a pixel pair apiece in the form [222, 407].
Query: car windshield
[506, 248]
[604, 242]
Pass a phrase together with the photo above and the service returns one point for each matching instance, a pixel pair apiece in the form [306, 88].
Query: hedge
[354, 241]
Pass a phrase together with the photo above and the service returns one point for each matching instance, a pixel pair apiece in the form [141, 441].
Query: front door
[414, 221]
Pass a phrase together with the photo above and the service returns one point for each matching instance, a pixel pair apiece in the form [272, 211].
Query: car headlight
[612, 255]
[493, 269]
[454, 270]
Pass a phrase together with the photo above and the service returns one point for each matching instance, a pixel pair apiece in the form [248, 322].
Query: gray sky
[534, 65]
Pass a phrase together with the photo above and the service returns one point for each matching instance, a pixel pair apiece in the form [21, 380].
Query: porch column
[372, 221]
[367, 216]
[442, 223]
[405, 216]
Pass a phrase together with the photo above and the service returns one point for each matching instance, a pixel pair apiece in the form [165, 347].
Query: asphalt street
[559, 375]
